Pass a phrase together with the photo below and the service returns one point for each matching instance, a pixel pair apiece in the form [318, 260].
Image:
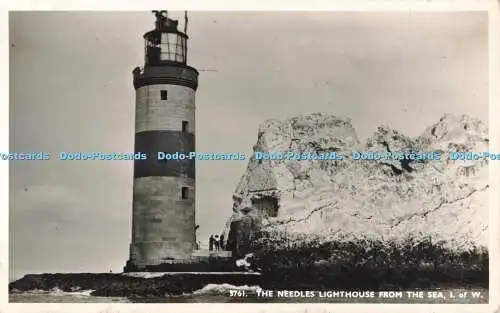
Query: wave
[223, 289]
[211, 289]
[55, 292]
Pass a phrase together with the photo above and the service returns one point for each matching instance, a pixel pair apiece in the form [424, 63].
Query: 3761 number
[237, 293]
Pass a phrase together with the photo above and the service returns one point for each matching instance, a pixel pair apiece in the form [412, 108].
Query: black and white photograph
[184, 156]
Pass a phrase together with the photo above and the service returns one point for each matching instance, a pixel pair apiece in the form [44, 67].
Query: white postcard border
[267, 5]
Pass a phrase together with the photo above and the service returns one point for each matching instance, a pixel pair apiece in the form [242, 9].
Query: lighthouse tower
[163, 223]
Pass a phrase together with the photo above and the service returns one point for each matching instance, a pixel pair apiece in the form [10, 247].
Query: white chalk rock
[444, 199]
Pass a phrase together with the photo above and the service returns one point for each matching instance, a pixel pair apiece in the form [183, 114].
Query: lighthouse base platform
[201, 261]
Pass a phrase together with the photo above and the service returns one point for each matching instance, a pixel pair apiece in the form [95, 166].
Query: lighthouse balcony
[174, 74]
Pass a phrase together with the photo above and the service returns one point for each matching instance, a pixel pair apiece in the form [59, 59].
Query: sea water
[218, 293]
[212, 293]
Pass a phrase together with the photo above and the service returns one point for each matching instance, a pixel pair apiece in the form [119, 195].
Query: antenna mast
[185, 21]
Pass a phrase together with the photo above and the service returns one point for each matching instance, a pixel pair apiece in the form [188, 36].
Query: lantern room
[165, 45]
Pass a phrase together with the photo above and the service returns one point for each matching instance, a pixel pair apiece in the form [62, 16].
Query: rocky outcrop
[129, 285]
[385, 199]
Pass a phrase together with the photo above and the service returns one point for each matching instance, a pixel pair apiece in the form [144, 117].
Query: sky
[71, 90]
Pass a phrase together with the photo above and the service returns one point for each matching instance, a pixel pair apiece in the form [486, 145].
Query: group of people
[216, 243]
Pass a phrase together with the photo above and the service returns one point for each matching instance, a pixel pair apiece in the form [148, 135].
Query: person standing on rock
[221, 242]
[216, 242]
[211, 243]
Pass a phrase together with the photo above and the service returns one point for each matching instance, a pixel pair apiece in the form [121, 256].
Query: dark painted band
[171, 142]
[148, 81]
[182, 75]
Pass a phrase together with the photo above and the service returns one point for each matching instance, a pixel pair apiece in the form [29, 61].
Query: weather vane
[160, 15]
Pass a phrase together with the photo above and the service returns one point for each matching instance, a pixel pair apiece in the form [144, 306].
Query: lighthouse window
[185, 193]
[164, 95]
[173, 48]
[184, 126]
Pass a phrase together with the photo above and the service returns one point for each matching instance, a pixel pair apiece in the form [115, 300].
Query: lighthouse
[163, 221]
